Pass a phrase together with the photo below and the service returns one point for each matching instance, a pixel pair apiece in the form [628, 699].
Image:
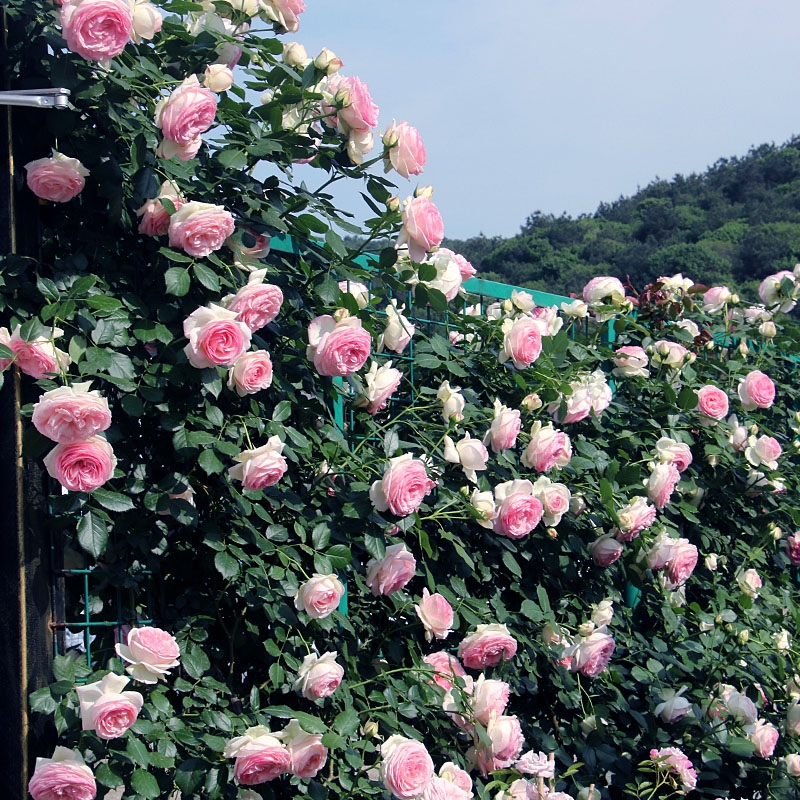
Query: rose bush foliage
[362, 580]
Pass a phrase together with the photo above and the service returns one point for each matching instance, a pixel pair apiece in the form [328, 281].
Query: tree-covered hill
[735, 223]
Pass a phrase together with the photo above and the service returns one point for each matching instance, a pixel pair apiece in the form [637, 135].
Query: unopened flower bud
[743, 348]
[218, 78]
[577, 505]
[767, 329]
[709, 345]
[328, 62]
[734, 299]
[370, 729]
[777, 532]
[424, 191]
[587, 629]
[588, 724]
[711, 562]
[267, 96]
[712, 459]
[744, 636]
[532, 402]
[294, 55]
[340, 314]
[552, 533]
[393, 204]
[465, 490]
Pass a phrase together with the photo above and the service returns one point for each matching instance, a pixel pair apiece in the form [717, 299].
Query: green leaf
[308, 723]
[232, 158]
[174, 255]
[177, 281]
[321, 535]
[511, 562]
[145, 784]
[137, 752]
[687, 399]
[92, 534]
[282, 411]
[210, 463]
[113, 501]
[190, 774]
[346, 722]
[226, 565]
[107, 777]
[206, 276]
[339, 556]
[195, 662]
[335, 244]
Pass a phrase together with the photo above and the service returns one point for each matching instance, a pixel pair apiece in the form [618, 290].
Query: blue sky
[558, 105]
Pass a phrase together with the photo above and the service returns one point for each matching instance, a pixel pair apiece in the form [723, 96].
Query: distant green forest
[734, 224]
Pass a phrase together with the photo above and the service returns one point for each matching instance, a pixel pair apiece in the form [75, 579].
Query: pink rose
[404, 486]
[422, 229]
[661, 484]
[634, 518]
[380, 383]
[257, 303]
[392, 572]
[661, 551]
[605, 550]
[57, 178]
[448, 273]
[756, 391]
[106, 709]
[147, 20]
[682, 563]
[260, 468]
[200, 228]
[548, 448]
[264, 764]
[406, 767]
[65, 776]
[504, 429]
[216, 337]
[630, 362]
[185, 152]
[37, 358]
[251, 373]
[81, 466]
[338, 348]
[187, 113]
[764, 450]
[773, 292]
[507, 740]
[151, 653]
[465, 267]
[71, 414]
[284, 12]
[673, 760]
[357, 112]
[96, 30]
[319, 596]
[319, 676]
[715, 299]
[489, 697]
[306, 751]
[487, 646]
[712, 402]
[669, 451]
[554, 498]
[446, 668]
[522, 342]
[518, 511]
[436, 615]
[793, 548]
[764, 737]
[592, 654]
[749, 582]
[673, 707]
[398, 331]
[404, 149]
[604, 290]
[671, 354]
[155, 218]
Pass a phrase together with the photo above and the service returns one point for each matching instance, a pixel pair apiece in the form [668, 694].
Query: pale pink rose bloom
[262, 467]
[446, 668]
[764, 738]
[37, 358]
[793, 718]
[682, 563]
[380, 383]
[256, 304]
[792, 762]
[216, 337]
[630, 361]
[183, 151]
[548, 448]
[673, 707]
[676, 762]
[470, 453]
[440, 789]
[406, 767]
[65, 776]
[661, 483]
[487, 646]
[285, 12]
[404, 149]
[669, 451]
[338, 348]
[741, 708]
[359, 291]
[306, 752]
[756, 391]
[488, 698]
[260, 756]
[422, 229]
[57, 178]
[715, 298]
[738, 434]
[251, 373]
[448, 273]
[522, 342]
[520, 789]
[605, 290]
[538, 764]
[771, 293]
[590, 394]
[71, 414]
[712, 402]
[155, 218]
[357, 112]
[82, 466]
[150, 652]
[200, 228]
[592, 654]
[458, 777]
[483, 503]
[359, 143]
[106, 709]
[518, 511]
[671, 354]
[147, 20]
[453, 402]
[506, 424]
[218, 78]
[398, 331]
[436, 615]
[404, 485]
[506, 739]
[319, 596]
[605, 550]
[793, 548]
[554, 498]
[318, 676]
[96, 30]
[187, 113]
[763, 450]
[392, 572]
[634, 518]
[749, 582]
[247, 257]
[661, 551]
[465, 267]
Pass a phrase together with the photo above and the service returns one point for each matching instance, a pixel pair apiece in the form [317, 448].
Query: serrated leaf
[511, 562]
[339, 556]
[145, 784]
[177, 281]
[346, 722]
[226, 565]
[282, 411]
[195, 662]
[206, 276]
[210, 463]
[106, 776]
[190, 774]
[232, 158]
[174, 255]
[113, 501]
[92, 534]
[335, 243]
[320, 536]
[137, 752]
[308, 723]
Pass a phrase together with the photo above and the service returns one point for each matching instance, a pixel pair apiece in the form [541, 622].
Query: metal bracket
[36, 98]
